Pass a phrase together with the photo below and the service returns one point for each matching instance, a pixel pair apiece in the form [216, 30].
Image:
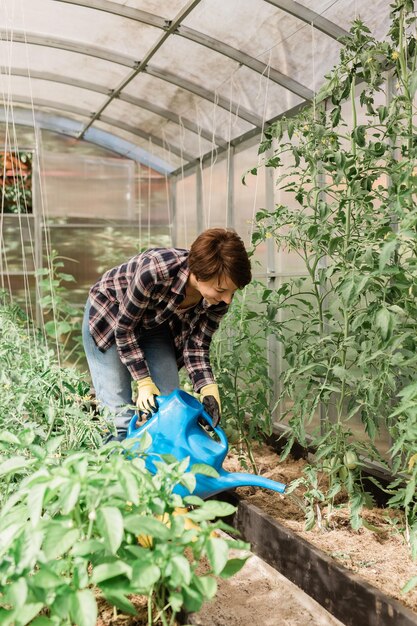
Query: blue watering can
[175, 430]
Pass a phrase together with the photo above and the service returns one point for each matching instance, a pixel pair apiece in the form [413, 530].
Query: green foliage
[349, 330]
[62, 324]
[239, 359]
[39, 398]
[73, 518]
[78, 523]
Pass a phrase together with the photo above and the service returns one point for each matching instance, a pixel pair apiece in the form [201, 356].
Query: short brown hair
[220, 252]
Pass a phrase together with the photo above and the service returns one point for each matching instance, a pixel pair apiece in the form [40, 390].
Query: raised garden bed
[356, 575]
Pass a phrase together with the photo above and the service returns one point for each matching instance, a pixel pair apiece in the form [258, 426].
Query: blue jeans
[112, 380]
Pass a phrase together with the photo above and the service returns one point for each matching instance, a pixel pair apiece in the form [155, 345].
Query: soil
[380, 556]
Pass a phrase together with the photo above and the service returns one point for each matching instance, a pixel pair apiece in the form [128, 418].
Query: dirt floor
[381, 556]
[259, 596]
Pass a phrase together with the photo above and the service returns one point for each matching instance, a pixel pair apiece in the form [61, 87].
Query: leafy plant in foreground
[102, 521]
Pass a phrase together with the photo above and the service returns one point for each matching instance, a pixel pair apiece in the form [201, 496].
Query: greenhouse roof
[167, 82]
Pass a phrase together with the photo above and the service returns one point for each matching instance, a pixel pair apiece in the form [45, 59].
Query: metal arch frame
[71, 128]
[120, 59]
[141, 66]
[174, 27]
[309, 17]
[138, 102]
[59, 106]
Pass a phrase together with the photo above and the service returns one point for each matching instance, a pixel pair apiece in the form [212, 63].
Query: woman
[147, 318]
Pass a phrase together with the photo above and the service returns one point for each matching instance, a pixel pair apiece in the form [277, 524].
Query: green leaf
[176, 601]
[181, 571]
[193, 500]
[233, 566]
[14, 465]
[35, 501]
[119, 600]
[410, 491]
[359, 134]
[45, 578]
[384, 321]
[9, 437]
[335, 115]
[141, 525]
[188, 481]
[110, 525]
[206, 470]
[27, 613]
[85, 548]
[211, 509]
[412, 83]
[130, 486]
[141, 443]
[69, 496]
[144, 576]
[83, 608]
[382, 112]
[193, 599]
[409, 585]
[386, 253]
[105, 571]
[53, 444]
[9, 534]
[58, 539]
[206, 585]
[217, 553]
[16, 593]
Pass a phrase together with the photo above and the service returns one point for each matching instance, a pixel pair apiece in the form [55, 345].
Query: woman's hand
[147, 392]
[211, 402]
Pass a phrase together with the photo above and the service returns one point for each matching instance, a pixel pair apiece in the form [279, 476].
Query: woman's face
[217, 289]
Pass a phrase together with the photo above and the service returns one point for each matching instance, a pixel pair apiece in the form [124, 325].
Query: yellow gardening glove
[211, 402]
[147, 390]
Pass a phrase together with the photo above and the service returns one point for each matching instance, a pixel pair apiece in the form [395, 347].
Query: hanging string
[43, 216]
[170, 215]
[213, 159]
[11, 148]
[149, 196]
[184, 205]
[140, 206]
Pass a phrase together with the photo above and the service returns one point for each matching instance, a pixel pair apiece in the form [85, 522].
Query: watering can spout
[175, 430]
[231, 480]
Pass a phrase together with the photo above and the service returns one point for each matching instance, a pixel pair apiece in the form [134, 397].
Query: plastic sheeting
[227, 67]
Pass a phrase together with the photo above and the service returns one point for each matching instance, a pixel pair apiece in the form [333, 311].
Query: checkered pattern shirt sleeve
[197, 347]
[143, 293]
[127, 298]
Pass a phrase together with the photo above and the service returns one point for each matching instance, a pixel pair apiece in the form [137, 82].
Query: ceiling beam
[137, 102]
[61, 106]
[141, 67]
[71, 128]
[221, 101]
[310, 17]
[200, 38]
[120, 59]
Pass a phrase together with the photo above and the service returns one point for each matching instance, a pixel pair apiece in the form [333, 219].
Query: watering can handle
[131, 429]
[218, 430]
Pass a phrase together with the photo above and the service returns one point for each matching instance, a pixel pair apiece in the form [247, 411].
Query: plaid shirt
[144, 293]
